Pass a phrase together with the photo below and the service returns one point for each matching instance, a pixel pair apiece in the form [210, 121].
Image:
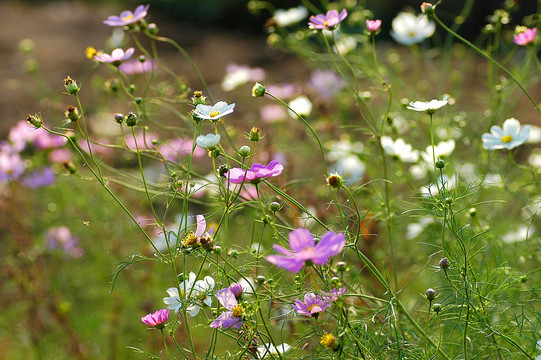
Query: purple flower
[525, 36]
[11, 164]
[157, 319]
[334, 294]
[255, 173]
[328, 21]
[373, 25]
[116, 57]
[236, 289]
[135, 66]
[60, 238]
[127, 17]
[311, 306]
[231, 318]
[304, 250]
[174, 149]
[326, 83]
[39, 178]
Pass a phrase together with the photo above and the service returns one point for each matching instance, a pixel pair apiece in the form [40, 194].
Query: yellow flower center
[238, 311]
[411, 34]
[189, 239]
[326, 23]
[311, 307]
[507, 139]
[214, 113]
[91, 52]
[127, 17]
[328, 340]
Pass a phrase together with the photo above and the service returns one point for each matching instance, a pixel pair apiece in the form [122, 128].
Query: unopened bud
[119, 118]
[71, 86]
[260, 279]
[34, 120]
[255, 134]
[444, 263]
[131, 119]
[152, 28]
[440, 164]
[436, 307]
[72, 113]
[258, 90]
[427, 8]
[430, 294]
[275, 206]
[244, 151]
[341, 266]
[68, 165]
[198, 98]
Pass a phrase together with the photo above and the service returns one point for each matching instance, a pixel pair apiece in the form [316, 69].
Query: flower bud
[70, 166]
[72, 113]
[132, 88]
[71, 86]
[341, 266]
[430, 294]
[436, 307]
[335, 280]
[119, 118]
[236, 289]
[244, 151]
[258, 90]
[233, 253]
[131, 119]
[260, 279]
[275, 206]
[444, 263]
[427, 8]
[449, 200]
[255, 134]
[112, 84]
[440, 164]
[34, 120]
[217, 249]
[473, 212]
[138, 100]
[198, 98]
[152, 29]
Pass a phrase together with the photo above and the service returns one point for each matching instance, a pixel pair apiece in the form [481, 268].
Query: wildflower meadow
[386, 206]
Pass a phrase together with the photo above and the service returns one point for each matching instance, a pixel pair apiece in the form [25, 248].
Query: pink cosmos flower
[256, 173]
[117, 56]
[127, 17]
[328, 21]
[373, 25]
[157, 319]
[525, 37]
[334, 294]
[61, 238]
[313, 304]
[134, 66]
[176, 148]
[305, 250]
[231, 318]
[11, 164]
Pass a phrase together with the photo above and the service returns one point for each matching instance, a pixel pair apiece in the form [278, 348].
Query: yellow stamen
[507, 139]
[326, 23]
[328, 340]
[189, 239]
[127, 17]
[238, 311]
[311, 307]
[214, 113]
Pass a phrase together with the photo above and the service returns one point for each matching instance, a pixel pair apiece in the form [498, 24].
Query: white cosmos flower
[447, 183]
[429, 107]
[267, 349]
[522, 233]
[442, 150]
[410, 29]
[301, 105]
[399, 149]
[194, 294]
[535, 135]
[508, 137]
[290, 16]
[343, 148]
[351, 168]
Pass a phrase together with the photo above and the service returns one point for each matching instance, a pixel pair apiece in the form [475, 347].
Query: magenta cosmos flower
[116, 57]
[256, 173]
[305, 250]
[313, 304]
[525, 36]
[373, 25]
[231, 318]
[127, 17]
[328, 21]
[334, 294]
[157, 319]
